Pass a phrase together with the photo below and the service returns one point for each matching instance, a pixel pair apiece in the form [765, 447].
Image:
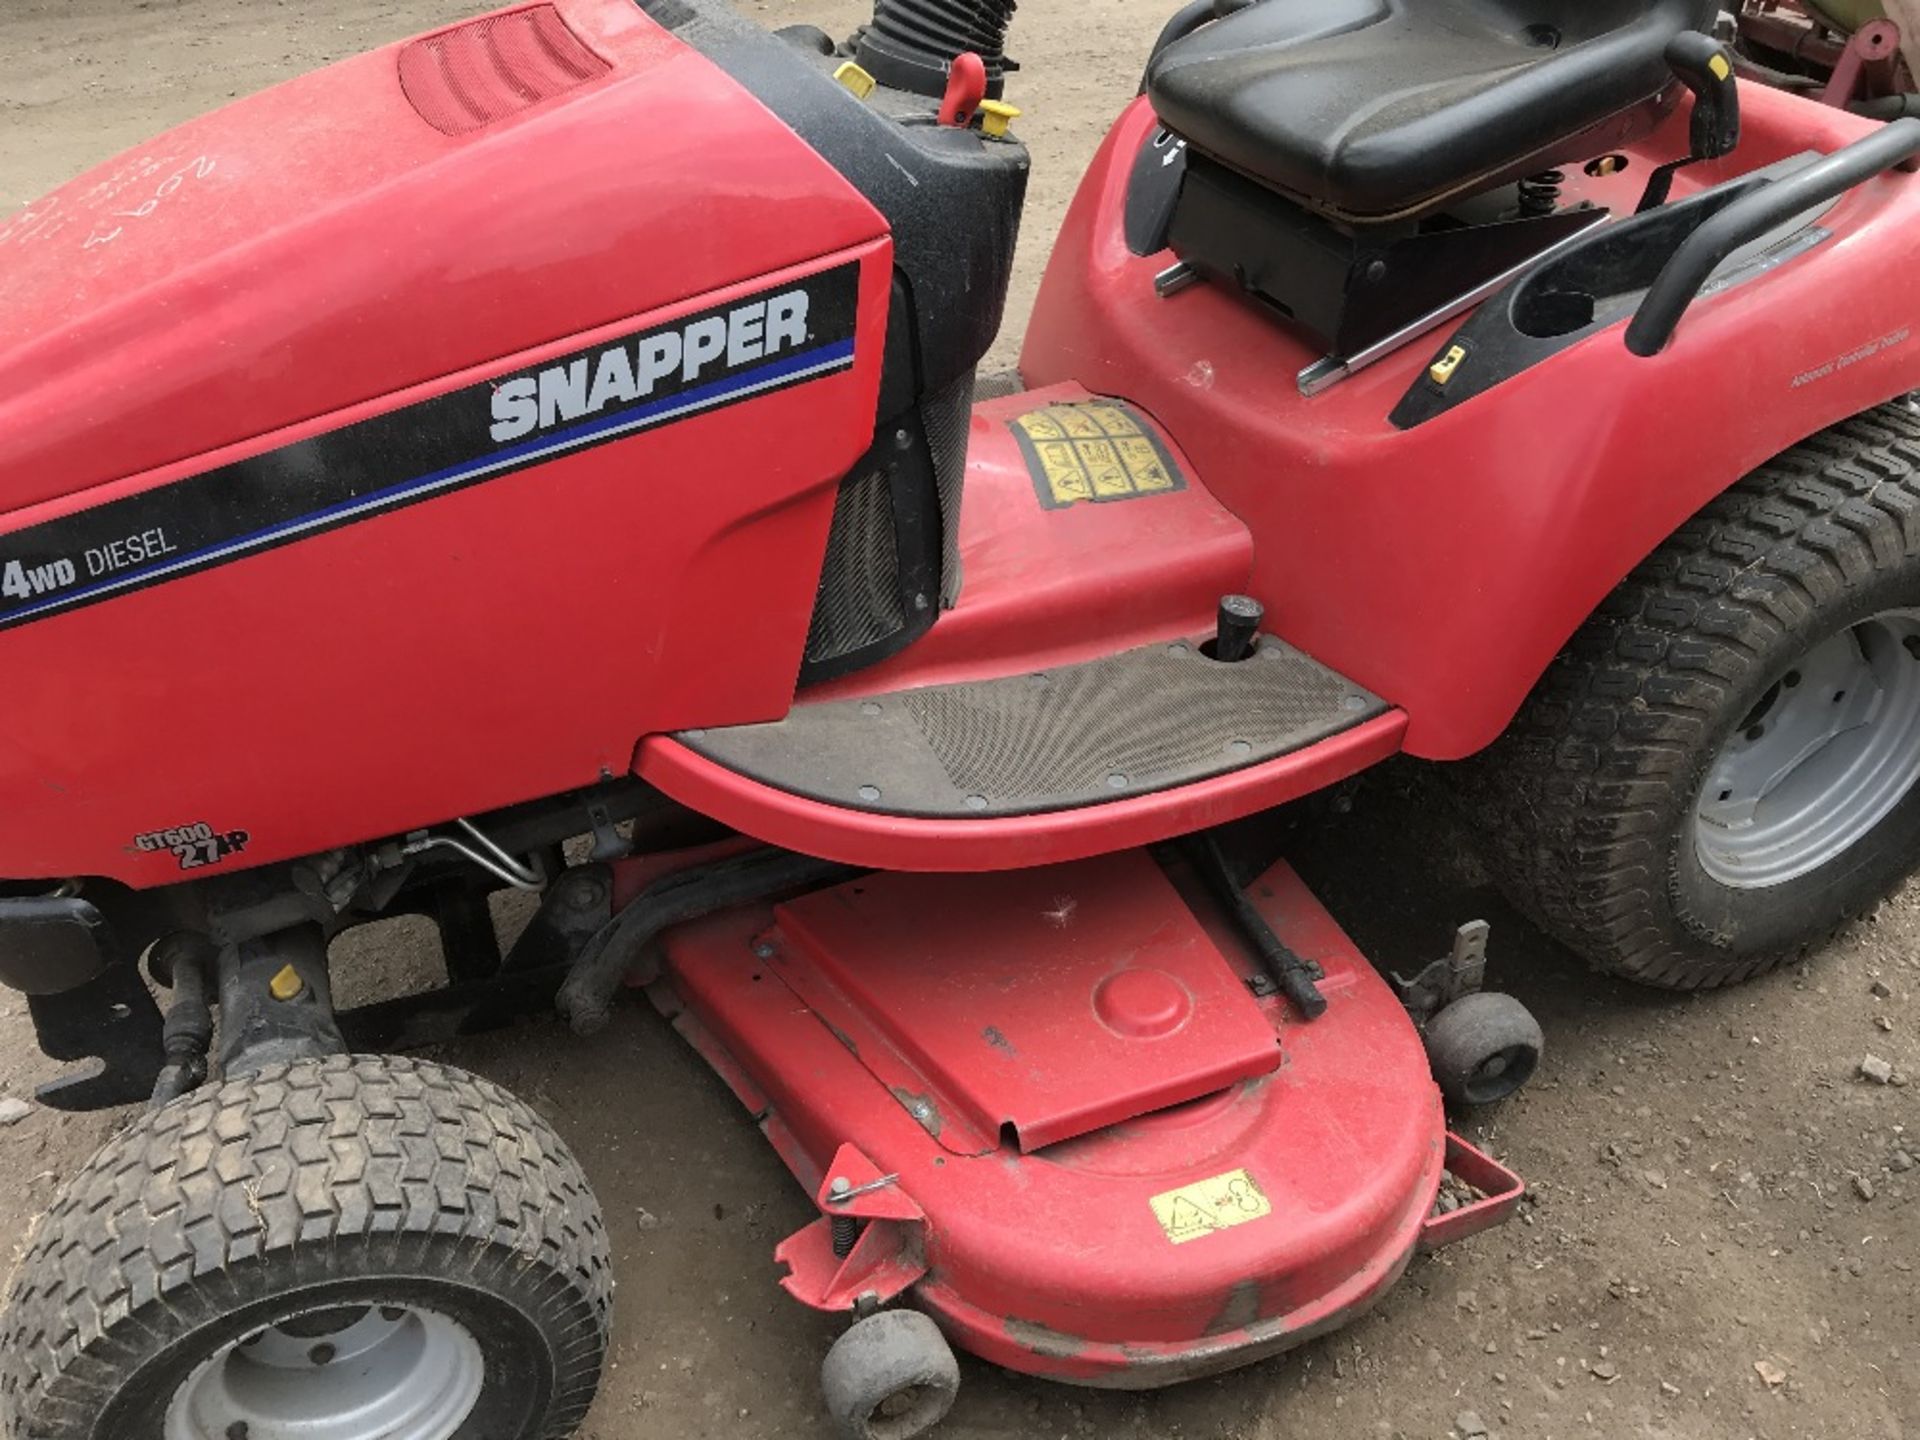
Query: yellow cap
[1441, 371]
[996, 116]
[285, 984]
[857, 82]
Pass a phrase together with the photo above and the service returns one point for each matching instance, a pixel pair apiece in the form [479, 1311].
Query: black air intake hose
[910, 43]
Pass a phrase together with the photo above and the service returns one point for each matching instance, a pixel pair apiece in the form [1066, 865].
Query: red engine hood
[332, 241]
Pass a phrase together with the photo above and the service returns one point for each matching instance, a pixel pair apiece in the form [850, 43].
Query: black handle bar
[1751, 216]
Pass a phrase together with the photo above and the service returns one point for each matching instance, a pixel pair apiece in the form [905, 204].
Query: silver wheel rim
[353, 1372]
[1831, 748]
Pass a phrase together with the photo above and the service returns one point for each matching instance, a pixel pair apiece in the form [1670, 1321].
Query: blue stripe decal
[820, 360]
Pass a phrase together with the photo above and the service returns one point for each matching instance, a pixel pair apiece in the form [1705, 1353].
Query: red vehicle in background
[1850, 53]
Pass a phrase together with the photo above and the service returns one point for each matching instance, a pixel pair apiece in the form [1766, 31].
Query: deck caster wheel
[891, 1377]
[349, 1248]
[1483, 1047]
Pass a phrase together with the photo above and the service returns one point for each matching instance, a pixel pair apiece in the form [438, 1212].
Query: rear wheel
[1722, 766]
[355, 1248]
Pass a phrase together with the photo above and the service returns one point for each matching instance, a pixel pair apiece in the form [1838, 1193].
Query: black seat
[1376, 108]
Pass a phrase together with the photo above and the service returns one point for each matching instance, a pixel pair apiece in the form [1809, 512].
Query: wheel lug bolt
[237, 1430]
[321, 1354]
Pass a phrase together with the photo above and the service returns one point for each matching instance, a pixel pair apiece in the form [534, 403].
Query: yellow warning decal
[1209, 1205]
[1098, 450]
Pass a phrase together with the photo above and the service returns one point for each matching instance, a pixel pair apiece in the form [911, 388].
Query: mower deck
[1065, 1125]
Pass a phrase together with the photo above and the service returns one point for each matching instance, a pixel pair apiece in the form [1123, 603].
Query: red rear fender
[1443, 566]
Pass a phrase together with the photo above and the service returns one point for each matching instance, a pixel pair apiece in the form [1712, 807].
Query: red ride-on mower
[1493, 381]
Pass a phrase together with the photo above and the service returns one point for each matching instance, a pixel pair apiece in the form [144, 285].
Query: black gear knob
[1237, 627]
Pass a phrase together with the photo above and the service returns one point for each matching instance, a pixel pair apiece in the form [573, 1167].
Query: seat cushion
[1377, 107]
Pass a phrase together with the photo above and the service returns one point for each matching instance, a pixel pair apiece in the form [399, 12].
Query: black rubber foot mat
[1129, 724]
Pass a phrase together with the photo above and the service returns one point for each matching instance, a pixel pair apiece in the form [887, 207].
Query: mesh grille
[1072, 732]
[946, 414]
[1145, 720]
[468, 77]
[858, 603]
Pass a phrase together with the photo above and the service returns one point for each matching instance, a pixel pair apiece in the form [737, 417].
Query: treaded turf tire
[349, 1181]
[1586, 804]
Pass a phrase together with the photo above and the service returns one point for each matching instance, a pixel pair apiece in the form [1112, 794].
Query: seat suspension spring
[1540, 194]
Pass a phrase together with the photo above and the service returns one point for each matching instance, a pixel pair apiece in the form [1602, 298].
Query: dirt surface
[1699, 1259]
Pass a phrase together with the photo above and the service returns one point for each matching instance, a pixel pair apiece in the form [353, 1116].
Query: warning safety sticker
[1209, 1205]
[1096, 451]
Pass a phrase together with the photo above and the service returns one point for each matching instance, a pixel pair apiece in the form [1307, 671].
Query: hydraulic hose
[586, 995]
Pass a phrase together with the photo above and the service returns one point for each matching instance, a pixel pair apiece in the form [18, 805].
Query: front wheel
[1722, 765]
[354, 1248]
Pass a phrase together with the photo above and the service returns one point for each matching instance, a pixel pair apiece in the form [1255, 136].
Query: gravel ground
[1724, 1227]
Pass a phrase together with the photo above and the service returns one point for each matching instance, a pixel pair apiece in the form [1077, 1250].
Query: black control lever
[1287, 971]
[1237, 628]
[1704, 67]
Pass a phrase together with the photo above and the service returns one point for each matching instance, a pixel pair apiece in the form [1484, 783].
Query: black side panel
[1153, 189]
[945, 415]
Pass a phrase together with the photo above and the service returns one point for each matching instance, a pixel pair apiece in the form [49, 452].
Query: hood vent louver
[464, 79]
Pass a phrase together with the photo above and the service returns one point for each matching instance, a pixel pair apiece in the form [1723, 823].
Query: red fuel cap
[966, 88]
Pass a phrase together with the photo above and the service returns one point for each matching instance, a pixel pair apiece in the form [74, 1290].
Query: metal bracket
[1175, 278]
[886, 1255]
[1869, 51]
[608, 843]
[112, 1018]
[1500, 1193]
[1461, 971]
